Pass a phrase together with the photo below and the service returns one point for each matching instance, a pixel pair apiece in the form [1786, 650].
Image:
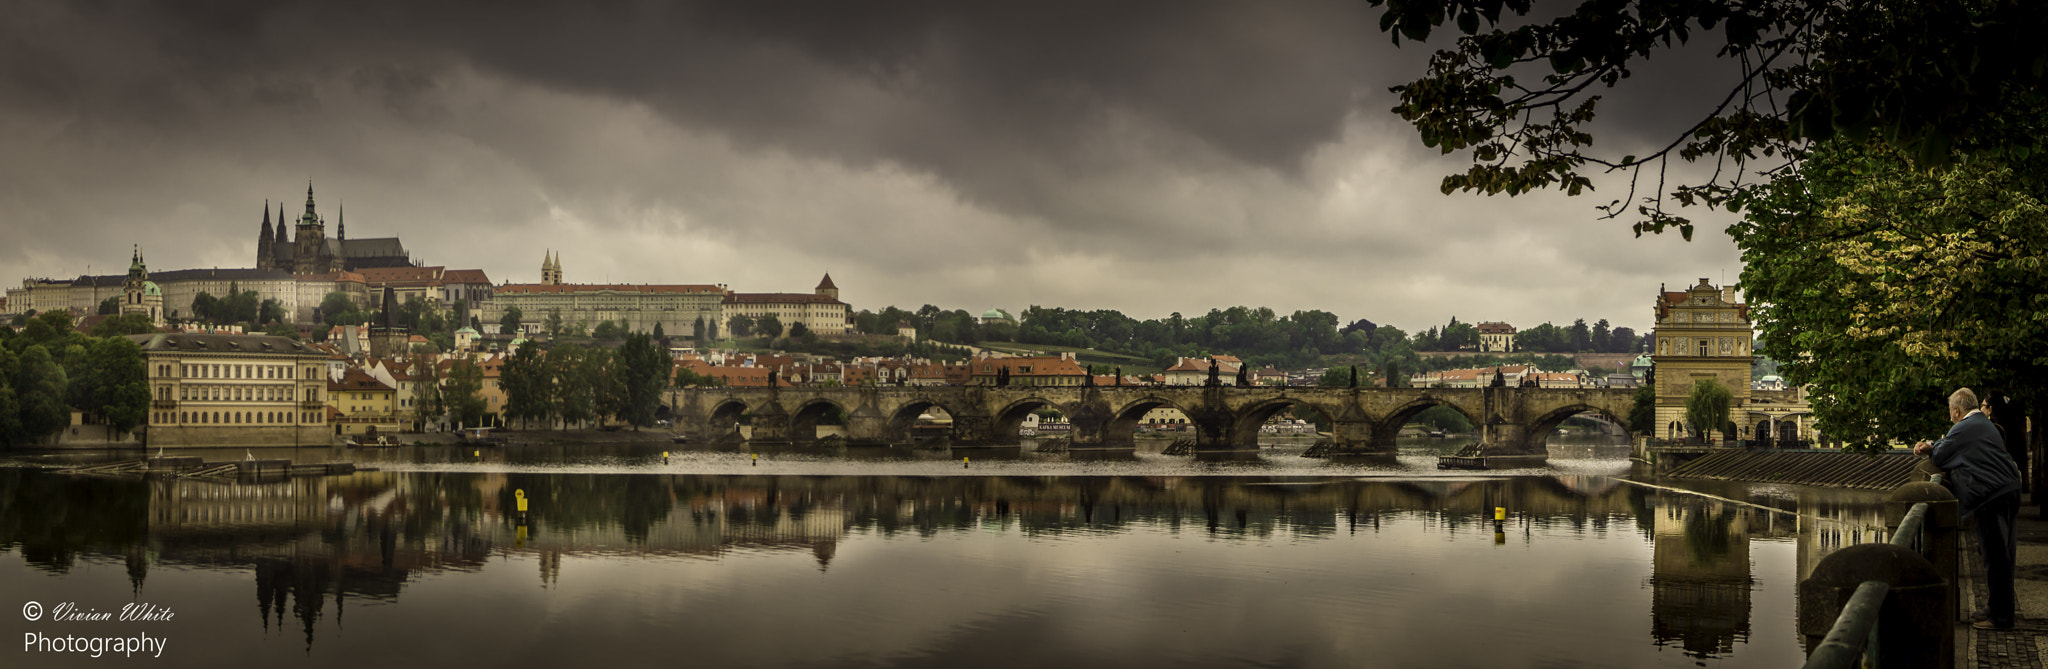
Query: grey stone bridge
[1514, 421]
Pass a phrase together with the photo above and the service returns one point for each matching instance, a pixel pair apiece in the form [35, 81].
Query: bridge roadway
[1514, 421]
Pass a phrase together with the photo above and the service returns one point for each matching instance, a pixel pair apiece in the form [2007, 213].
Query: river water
[711, 557]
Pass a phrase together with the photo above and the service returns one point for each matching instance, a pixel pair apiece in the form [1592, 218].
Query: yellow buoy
[478, 454]
[757, 459]
[1500, 513]
[519, 494]
[963, 462]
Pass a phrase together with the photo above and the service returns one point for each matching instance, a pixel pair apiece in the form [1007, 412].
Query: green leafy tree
[1707, 407]
[1933, 79]
[1885, 285]
[642, 369]
[122, 398]
[575, 388]
[1642, 416]
[553, 324]
[426, 394]
[607, 330]
[526, 381]
[270, 311]
[607, 388]
[463, 393]
[110, 306]
[685, 378]
[509, 322]
[123, 324]
[697, 330]
[39, 385]
[797, 330]
[206, 307]
[740, 325]
[710, 331]
[769, 326]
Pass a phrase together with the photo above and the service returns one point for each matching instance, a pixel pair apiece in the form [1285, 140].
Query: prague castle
[674, 307]
[311, 252]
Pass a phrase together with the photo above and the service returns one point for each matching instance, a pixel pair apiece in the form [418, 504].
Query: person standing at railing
[1986, 482]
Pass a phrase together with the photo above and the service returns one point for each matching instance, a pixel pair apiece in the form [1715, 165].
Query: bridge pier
[1216, 424]
[770, 422]
[975, 430]
[1091, 420]
[868, 426]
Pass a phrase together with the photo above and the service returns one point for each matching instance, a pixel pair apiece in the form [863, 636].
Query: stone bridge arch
[723, 421]
[803, 422]
[897, 419]
[1122, 428]
[1388, 427]
[1252, 417]
[1537, 439]
[1010, 418]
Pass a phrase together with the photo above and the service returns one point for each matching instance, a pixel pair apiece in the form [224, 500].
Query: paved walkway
[2027, 644]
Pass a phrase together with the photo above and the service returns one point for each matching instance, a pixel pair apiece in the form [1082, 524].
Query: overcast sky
[1149, 157]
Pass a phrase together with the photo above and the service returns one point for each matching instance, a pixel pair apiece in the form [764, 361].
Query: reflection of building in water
[212, 506]
[1700, 586]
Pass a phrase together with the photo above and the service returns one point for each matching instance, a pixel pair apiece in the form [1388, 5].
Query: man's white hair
[1963, 400]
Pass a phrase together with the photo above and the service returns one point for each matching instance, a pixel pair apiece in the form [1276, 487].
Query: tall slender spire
[340, 222]
[282, 236]
[263, 241]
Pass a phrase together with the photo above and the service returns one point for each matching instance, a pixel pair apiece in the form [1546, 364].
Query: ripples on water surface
[897, 559]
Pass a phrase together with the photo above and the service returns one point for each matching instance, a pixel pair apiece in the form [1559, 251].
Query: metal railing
[1852, 642]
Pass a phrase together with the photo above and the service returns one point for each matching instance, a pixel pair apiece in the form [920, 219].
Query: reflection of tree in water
[1708, 535]
[51, 519]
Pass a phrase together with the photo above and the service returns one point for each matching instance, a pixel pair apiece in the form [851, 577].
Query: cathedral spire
[340, 222]
[282, 236]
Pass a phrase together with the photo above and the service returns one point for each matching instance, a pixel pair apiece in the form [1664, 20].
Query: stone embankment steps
[1873, 471]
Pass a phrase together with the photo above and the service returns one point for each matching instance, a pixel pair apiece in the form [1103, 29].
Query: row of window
[237, 393]
[232, 417]
[233, 371]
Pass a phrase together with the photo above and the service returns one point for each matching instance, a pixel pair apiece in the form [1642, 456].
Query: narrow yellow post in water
[520, 495]
[476, 454]
[757, 459]
[963, 462]
[1500, 513]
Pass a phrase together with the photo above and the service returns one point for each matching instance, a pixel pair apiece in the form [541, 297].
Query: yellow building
[364, 405]
[1702, 333]
[234, 390]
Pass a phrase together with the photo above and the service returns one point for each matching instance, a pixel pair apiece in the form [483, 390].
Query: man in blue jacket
[1987, 487]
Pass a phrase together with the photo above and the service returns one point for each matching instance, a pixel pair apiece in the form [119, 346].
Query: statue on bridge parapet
[1214, 381]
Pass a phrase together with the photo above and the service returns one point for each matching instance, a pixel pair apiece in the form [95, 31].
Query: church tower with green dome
[139, 295]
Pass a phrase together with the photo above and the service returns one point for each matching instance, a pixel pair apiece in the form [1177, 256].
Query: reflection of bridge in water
[316, 544]
[1513, 421]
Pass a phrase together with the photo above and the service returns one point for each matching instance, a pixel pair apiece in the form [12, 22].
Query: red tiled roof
[331, 276]
[358, 380]
[827, 283]
[400, 274]
[1494, 327]
[536, 288]
[464, 276]
[778, 298]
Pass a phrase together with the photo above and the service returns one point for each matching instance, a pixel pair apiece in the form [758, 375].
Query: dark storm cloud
[1076, 140]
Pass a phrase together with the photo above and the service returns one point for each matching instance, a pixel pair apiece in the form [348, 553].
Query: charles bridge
[1513, 420]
